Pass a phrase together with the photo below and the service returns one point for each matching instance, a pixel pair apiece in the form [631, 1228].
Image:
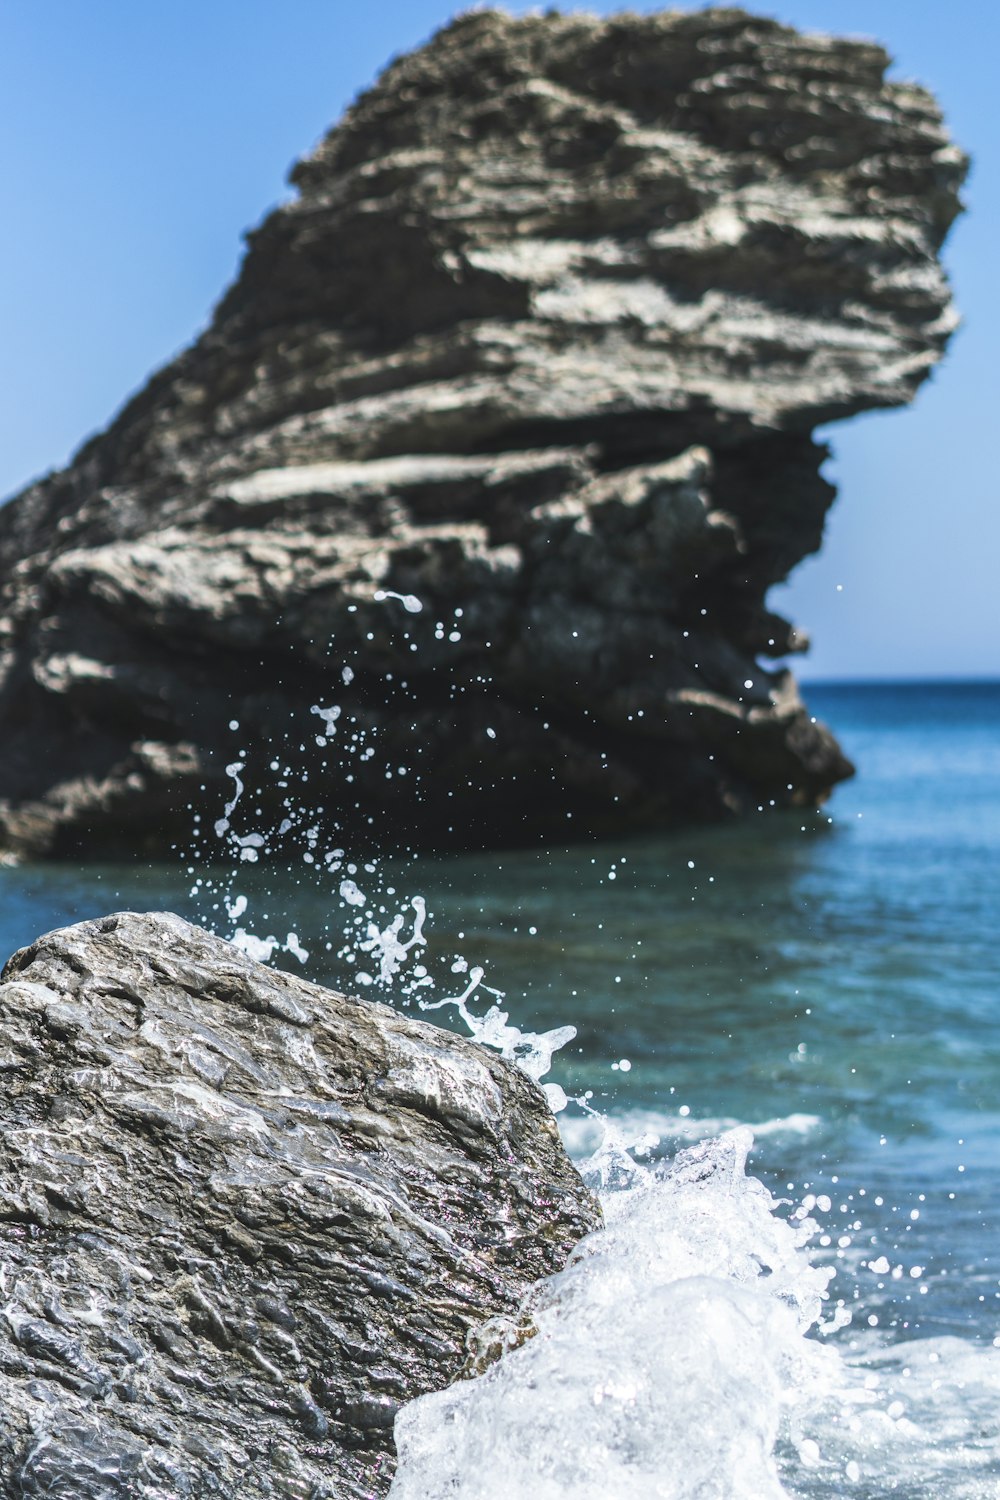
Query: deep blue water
[837, 972]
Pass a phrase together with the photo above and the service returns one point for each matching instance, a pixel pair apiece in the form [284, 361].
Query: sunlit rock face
[541, 341]
[243, 1219]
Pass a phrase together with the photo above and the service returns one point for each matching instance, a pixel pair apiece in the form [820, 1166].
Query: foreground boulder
[537, 348]
[243, 1218]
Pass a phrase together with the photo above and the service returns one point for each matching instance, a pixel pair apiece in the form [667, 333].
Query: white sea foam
[666, 1357]
[916, 1420]
[672, 1360]
[582, 1134]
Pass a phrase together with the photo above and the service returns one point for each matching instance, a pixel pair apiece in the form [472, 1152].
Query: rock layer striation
[243, 1218]
[540, 341]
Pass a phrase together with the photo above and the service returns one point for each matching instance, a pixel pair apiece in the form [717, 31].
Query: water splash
[531, 1051]
[664, 1361]
[410, 602]
[671, 1360]
[232, 770]
[370, 933]
[351, 892]
[329, 717]
[392, 953]
[676, 1356]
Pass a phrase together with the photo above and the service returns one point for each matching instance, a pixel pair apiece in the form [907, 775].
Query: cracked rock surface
[541, 341]
[243, 1218]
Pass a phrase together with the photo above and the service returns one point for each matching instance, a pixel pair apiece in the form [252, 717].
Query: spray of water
[531, 1051]
[664, 1360]
[676, 1357]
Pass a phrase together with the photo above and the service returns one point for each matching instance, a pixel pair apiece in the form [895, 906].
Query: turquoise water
[830, 979]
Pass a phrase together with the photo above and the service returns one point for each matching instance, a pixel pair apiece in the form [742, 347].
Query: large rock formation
[541, 341]
[243, 1218]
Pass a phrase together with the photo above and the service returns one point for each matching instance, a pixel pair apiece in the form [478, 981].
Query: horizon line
[984, 680]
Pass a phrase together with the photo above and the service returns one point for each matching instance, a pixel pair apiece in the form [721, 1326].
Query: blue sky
[138, 142]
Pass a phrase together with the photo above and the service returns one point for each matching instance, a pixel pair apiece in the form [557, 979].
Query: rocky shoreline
[244, 1218]
[539, 344]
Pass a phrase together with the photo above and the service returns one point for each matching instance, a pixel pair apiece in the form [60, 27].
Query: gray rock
[542, 338]
[243, 1218]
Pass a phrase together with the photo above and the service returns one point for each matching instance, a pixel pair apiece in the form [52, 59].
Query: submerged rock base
[510, 414]
[243, 1218]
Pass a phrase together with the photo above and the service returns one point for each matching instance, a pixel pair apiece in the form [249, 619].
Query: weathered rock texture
[542, 338]
[242, 1218]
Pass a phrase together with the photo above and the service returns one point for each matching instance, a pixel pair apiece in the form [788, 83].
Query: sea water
[810, 1306]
